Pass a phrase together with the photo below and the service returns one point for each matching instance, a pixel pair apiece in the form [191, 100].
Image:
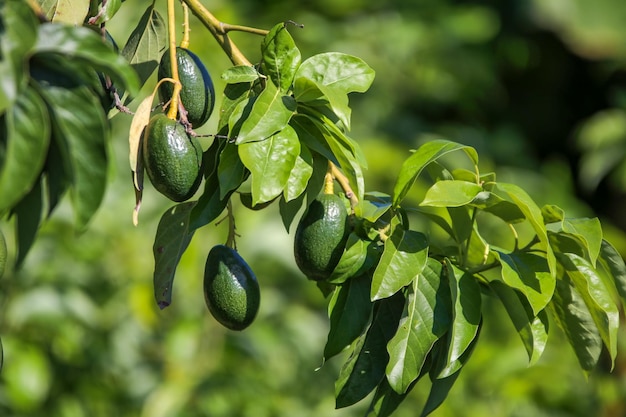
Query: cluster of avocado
[172, 154]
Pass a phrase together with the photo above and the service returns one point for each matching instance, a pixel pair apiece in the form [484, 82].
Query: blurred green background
[538, 87]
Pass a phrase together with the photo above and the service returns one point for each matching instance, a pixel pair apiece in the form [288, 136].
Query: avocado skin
[231, 290]
[197, 94]
[321, 237]
[173, 159]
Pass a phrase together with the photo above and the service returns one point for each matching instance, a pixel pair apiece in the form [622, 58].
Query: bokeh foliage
[537, 90]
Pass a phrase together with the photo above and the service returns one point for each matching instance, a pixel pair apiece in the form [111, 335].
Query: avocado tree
[405, 270]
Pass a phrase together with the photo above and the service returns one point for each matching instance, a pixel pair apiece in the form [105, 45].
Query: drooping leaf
[28, 218]
[424, 155]
[146, 44]
[528, 273]
[532, 329]
[596, 296]
[612, 262]
[452, 193]
[139, 122]
[312, 135]
[589, 231]
[349, 312]
[466, 313]
[573, 316]
[299, 175]
[352, 260]
[28, 136]
[403, 259]
[233, 95]
[85, 46]
[231, 171]
[56, 173]
[18, 34]
[270, 163]
[385, 400]
[335, 75]
[172, 238]
[269, 114]
[280, 58]
[365, 368]
[426, 318]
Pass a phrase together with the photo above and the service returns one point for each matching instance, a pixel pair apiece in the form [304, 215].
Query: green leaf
[532, 329]
[56, 173]
[466, 312]
[365, 368]
[528, 273]
[597, 298]
[439, 390]
[424, 155]
[146, 44]
[573, 316]
[312, 134]
[270, 113]
[240, 74]
[106, 10]
[280, 58]
[612, 262]
[70, 12]
[552, 214]
[299, 175]
[534, 216]
[589, 231]
[78, 120]
[335, 75]
[230, 170]
[426, 318]
[359, 255]
[385, 400]
[404, 257]
[28, 218]
[233, 95]
[349, 311]
[270, 163]
[451, 193]
[172, 238]
[18, 34]
[27, 140]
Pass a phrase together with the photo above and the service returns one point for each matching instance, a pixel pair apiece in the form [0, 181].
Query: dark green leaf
[386, 400]
[354, 259]
[426, 318]
[84, 45]
[270, 113]
[597, 298]
[146, 44]
[404, 257]
[233, 95]
[424, 155]
[299, 175]
[335, 75]
[57, 173]
[280, 57]
[439, 390]
[532, 329]
[230, 170]
[528, 273]
[573, 316]
[365, 368]
[350, 311]
[28, 215]
[612, 262]
[270, 163]
[312, 135]
[552, 214]
[451, 193]
[18, 34]
[28, 136]
[172, 238]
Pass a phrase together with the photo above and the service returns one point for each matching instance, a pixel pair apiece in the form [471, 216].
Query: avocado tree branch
[217, 30]
[171, 20]
[344, 183]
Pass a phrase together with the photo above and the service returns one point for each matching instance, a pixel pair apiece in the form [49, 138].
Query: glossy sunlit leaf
[534, 216]
[270, 163]
[349, 311]
[426, 318]
[424, 155]
[335, 75]
[597, 298]
[528, 273]
[532, 329]
[573, 316]
[28, 136]
[240, 74]
[466, 311]
[18, 33]
[280, 58]
[146, 44]
[404, 257]
[233, 95]
[451, 193]
[172, 238]
[365, 368]
[269, 114]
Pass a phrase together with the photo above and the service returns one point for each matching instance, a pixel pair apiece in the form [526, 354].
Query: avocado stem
[344, 183]
[171, 21]
[232, 229]
[184, 43]
[329, 180]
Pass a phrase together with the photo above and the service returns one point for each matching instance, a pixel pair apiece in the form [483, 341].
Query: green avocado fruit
[172, 158]
[321, 237]
[197, 94]
[231, 290]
